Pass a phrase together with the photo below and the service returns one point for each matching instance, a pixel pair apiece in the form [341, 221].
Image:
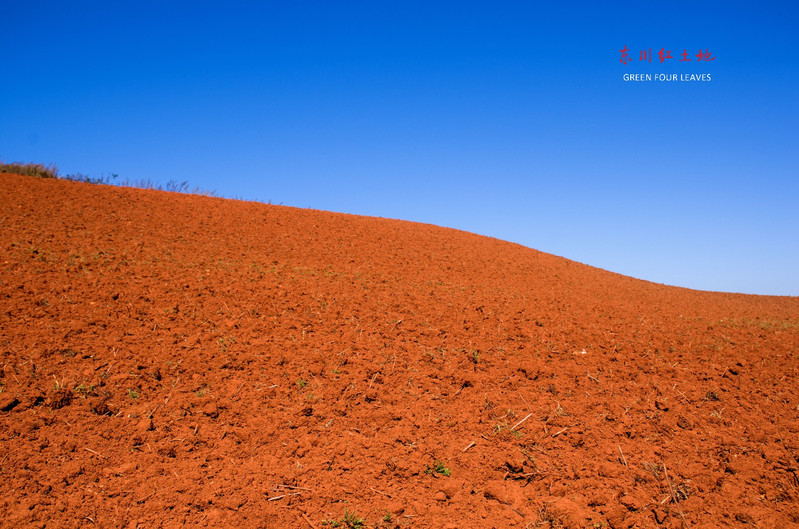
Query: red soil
[172, 360]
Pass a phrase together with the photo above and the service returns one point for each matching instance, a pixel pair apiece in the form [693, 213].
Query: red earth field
[172, 360]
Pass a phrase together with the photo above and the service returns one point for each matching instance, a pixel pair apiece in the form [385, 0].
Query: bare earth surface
[172, 360]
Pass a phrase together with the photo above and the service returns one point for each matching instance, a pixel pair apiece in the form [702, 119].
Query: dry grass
[30, 169]
[51, 171]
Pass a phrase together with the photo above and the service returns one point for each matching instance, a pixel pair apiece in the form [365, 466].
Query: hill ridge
[260, 364]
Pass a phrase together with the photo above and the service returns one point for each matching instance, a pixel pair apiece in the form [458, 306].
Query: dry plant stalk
[274, 498]
[307, 520]
[520, 422]
[623, 459]
[674, 498]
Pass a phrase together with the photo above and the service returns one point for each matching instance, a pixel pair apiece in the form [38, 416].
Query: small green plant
[387, 517]
[350, 521]
[132, 393]
[437, 468]
[353, 521]
[84, 389]
[225, 341]
[301, 383]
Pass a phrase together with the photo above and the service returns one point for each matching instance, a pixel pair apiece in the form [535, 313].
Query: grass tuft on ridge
[51, 171]
[30, 169]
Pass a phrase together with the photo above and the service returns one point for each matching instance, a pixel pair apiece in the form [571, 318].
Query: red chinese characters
[625, 57]
[664, 55]
[706, 56]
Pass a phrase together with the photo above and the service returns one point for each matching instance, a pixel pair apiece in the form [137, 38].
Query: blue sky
[508, 119]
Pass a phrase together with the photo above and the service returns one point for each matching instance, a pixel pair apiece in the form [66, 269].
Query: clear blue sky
[509, 119]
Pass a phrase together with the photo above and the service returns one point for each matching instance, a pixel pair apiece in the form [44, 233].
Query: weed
[717, 413]
[682, 490]
[350, 521]
[102, 179]
[301, 383]
[557, 412]
[132, 393]
[51, 171]
[547, 518]
[177, 187]
[428, 355]
[653, 468]
[84, 389]
[437, 468]
[530, 458]
[387, 517]
[474, 356]
[30, 169]
[353, 521]
[225, 341]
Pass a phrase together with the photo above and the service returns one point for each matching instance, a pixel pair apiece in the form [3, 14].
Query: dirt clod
[211, 410]
[8, 402]
[60, 398]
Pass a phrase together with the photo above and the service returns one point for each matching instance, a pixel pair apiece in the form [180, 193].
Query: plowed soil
[172, 360]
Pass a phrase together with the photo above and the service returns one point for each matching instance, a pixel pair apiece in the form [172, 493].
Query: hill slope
[175, 360]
